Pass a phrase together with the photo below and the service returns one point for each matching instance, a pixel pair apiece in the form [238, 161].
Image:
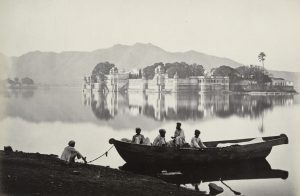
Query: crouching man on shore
[70, 153]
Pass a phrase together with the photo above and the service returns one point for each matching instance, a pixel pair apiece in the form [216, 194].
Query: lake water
[44, 121]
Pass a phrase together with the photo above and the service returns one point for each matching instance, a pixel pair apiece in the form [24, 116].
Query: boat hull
[154, 155]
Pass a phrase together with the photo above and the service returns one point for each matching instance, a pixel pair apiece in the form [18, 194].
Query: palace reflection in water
[179, 106]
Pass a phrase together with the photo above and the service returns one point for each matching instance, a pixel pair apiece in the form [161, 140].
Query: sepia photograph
[150, 97]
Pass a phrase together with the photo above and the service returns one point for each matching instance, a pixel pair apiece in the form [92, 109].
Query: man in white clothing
[138, 138]
[179, 138]
[70, 153]
[160, 139]
[196, 141]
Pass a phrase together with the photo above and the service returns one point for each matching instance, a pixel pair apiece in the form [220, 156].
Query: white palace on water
[115, 82]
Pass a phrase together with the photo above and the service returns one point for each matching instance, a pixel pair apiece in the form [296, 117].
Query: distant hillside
[69, 67]
[292, 76]
[4, 66]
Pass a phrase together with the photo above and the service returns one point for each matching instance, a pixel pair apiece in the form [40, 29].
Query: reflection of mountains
[23, 93]
[63, 104]
[182, 106]
[45, 105]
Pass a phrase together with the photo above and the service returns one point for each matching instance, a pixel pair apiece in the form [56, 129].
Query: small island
[182, 77]
[17, 83]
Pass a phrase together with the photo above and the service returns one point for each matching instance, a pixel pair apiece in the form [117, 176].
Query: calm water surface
[44, 121]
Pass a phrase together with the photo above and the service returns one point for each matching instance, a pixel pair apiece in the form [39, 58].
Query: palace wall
[116, 82]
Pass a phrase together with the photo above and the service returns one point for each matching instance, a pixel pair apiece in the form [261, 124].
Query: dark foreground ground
[38, 174]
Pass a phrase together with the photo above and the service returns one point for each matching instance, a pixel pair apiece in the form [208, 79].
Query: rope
[102, 155]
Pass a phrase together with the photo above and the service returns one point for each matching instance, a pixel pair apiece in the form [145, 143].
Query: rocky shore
[39, 174]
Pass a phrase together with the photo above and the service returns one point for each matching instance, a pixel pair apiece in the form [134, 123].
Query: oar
[235, 192]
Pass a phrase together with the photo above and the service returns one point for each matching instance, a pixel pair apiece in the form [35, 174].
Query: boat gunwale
[270, 140]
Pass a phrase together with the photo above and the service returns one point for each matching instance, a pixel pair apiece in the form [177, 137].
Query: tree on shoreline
[101, 69]
[183, 69]
[262, 58]
[253, 73]
[149, 70]
[224, 70]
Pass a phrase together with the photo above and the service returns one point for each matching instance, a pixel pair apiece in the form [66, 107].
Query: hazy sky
[237, 29]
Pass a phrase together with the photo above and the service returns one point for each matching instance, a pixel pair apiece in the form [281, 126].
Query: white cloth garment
[159, 141]
[197, 143]
[138, 139]
[69, 153]
[179, 137]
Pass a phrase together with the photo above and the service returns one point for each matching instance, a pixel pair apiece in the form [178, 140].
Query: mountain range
[70, 67]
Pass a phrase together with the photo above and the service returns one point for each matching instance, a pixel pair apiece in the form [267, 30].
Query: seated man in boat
[70, 153]
[138, 138]
[179, 138]
[196, 141]
[160, 139]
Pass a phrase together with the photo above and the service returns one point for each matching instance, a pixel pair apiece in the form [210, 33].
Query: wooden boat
[154, 155]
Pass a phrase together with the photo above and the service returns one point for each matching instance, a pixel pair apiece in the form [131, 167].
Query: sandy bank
[38, 174]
